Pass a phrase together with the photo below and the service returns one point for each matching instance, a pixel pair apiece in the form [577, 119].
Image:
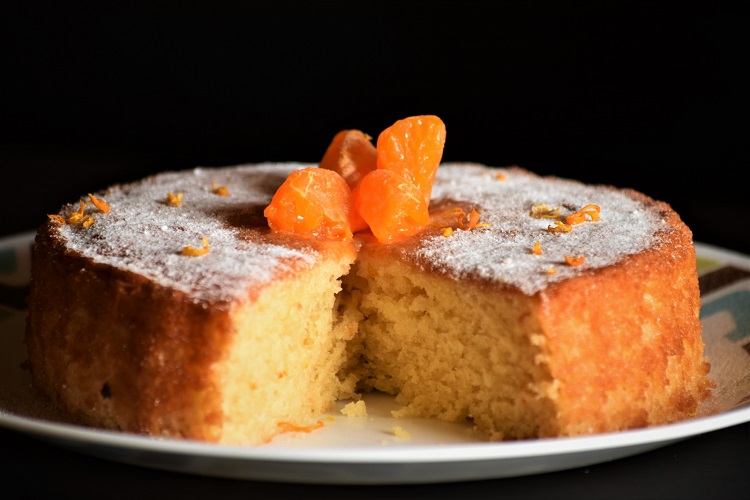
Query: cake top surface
[629, 222]
[143, 234]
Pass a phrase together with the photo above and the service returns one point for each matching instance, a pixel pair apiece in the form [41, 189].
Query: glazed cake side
[471, 325]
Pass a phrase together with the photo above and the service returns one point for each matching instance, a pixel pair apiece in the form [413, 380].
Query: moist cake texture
[264, 331]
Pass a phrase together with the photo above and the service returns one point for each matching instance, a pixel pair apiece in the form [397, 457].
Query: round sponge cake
[167, 307]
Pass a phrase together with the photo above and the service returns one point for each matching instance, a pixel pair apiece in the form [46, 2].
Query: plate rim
[452, 452]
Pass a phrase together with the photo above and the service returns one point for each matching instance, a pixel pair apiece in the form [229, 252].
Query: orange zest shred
[550, 271]
[473, 221]
[560, 227]
[500, 176]
[87, 221]
[195, 252]
[588, 213]
[542, 211]
[99, 203]
[220, 190]
[290, 427]
[447, 231]
[174, 199]
[537, 248]
[59, 219]
[575, 261]
[77, 216]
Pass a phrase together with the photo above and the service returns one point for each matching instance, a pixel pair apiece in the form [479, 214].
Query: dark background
[649, 95]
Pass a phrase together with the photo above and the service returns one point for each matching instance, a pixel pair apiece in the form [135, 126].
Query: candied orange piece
[393, 207]
[413, 148]
[352, 154]
[312, 202]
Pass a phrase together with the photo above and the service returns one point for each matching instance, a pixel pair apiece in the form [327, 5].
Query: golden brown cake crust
[620, 371]
[118, 350]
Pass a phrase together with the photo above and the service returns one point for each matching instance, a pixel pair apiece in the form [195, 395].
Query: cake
[167, 307]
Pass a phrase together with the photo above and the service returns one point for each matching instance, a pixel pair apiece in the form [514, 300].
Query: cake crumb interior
[281, 367]
[450, 352]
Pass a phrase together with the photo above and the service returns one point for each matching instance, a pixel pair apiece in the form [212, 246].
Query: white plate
[369, 450]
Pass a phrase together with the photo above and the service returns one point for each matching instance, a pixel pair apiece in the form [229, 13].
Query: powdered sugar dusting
[502, 253]
[144, 235]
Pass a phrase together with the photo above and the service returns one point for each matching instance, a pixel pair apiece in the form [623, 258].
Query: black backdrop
[649, 95]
